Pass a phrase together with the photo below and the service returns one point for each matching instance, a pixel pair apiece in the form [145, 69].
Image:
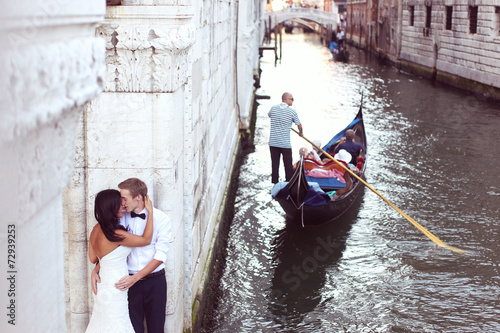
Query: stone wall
[468, 60]
[402, 32]
[51, 65]
[249, 39]
[178, 86]
[389, 27]
[356, 23]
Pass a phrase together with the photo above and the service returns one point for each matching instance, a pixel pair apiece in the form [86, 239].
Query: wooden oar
[426, 232]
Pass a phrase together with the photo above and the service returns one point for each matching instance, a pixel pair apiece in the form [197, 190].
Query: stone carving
[146, 58]
[46, 80]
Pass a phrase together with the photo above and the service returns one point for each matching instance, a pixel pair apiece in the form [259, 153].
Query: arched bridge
[325, 19]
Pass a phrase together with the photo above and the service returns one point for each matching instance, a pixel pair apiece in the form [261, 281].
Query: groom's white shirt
[139, 257]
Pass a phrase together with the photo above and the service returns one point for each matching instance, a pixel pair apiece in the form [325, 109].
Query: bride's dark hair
[107, 204]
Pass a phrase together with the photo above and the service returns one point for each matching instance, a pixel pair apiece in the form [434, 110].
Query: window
[449, 14]
[428, 10]
[411, 10]
[473, 19]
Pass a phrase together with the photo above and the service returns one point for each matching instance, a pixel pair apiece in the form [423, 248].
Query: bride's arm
[135, 240]
[95, 278]
[92, 253]
[128, 281]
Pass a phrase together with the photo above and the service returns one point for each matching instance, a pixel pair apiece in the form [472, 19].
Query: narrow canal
[432, 151]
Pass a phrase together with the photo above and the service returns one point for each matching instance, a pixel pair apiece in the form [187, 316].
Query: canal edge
[212, 272]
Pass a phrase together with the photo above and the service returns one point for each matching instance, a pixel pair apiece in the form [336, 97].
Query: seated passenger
[303, 152]
[332, 46]
[315, 152]
[351, 146]
[344, 157]
[332, 149]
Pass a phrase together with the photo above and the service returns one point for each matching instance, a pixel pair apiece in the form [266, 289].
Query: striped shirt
[282, 117]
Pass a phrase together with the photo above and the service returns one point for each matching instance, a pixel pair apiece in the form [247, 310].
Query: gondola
[300, 198]
[340, 53]
[342, 56]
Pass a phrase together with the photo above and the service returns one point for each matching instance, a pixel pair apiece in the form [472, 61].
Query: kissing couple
[129, 246]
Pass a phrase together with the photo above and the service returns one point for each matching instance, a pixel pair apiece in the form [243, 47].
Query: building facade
[356, 22]
[52, 64]
[456, 42]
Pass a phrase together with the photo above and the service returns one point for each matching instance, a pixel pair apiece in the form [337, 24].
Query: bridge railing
[316, 15]
[328, 20]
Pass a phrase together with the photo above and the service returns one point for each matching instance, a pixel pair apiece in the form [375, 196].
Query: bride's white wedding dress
[110, 313]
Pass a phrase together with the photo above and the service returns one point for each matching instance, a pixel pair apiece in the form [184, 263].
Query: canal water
[432, 151]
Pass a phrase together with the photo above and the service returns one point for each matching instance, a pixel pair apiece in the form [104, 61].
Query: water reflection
[301, 257]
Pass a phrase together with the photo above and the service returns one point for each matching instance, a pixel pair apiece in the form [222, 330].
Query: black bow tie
[134, 214]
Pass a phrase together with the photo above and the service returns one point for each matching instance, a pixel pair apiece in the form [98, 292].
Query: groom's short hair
[135, 186]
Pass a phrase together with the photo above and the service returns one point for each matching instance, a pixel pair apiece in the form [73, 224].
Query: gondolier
[282, 116]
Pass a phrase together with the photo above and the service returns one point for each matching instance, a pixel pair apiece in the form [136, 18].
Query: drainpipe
[237, 102]
[377, 33]
[399, 30]
[350, 20]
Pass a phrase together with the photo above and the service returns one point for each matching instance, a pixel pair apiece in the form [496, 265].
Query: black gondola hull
[313, 216]
[342, 56]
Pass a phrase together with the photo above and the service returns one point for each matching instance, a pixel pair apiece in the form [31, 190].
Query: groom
[147, 295]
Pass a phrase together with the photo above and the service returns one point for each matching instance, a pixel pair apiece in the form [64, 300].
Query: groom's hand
[126, 282]
[95, 278]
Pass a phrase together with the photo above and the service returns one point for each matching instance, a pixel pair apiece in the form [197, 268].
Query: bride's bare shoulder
[95, 230]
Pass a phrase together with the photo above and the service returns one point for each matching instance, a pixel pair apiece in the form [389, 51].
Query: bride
[109, 245]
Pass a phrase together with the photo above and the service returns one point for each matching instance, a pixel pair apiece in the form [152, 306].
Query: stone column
[77, 264]
[51, 64]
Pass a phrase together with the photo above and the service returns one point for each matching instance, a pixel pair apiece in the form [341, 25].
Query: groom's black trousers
[148, 298]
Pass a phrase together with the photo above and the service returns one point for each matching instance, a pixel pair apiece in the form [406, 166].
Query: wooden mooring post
[267, 40]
